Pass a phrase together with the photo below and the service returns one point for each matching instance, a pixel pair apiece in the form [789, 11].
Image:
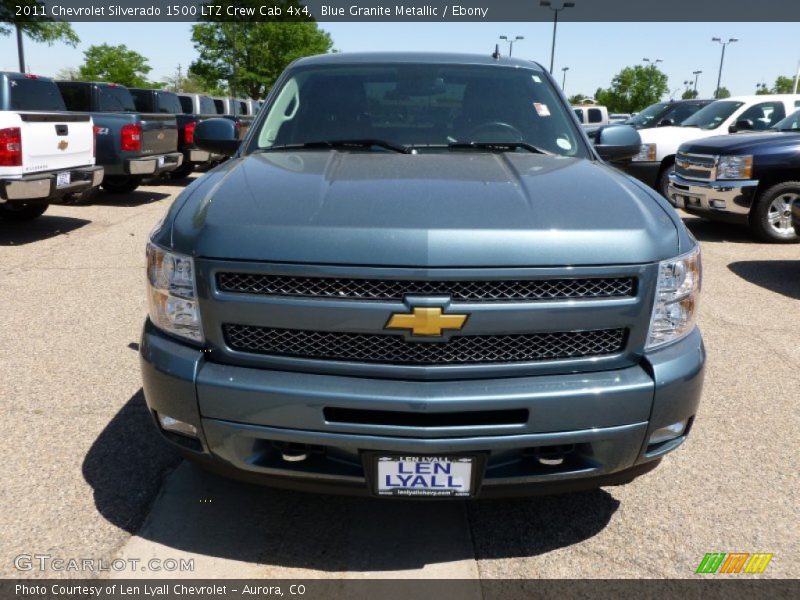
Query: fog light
[170, 424]
[670, 432]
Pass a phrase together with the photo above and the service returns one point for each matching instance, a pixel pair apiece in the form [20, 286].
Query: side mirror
[617, 142]
[666, 123]
[218, 136]
[741, 125]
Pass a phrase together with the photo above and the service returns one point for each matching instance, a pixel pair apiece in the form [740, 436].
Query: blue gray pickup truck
[415, 277]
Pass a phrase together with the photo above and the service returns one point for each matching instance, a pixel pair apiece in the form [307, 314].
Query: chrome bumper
[154, 165]
[731, 197]
[43, 186]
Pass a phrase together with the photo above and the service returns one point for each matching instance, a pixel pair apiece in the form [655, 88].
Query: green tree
[36, 27]
[633, 89]
[578, 98]
[723, 93]
[783, 85]
[247, 57]
[117, 64]
[689, 95]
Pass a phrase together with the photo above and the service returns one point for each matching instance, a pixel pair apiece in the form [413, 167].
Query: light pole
[511, 41]
[721, 60]
[564, 77]
[20, 49]
[696, 75]
[555, 10]
[654, 62]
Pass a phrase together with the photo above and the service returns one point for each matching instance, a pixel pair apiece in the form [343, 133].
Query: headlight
[735, 167]
[646, 152]
[677, 296]
[172, 293]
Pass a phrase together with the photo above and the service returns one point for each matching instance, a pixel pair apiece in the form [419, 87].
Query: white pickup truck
[656, 159]
[46, 154]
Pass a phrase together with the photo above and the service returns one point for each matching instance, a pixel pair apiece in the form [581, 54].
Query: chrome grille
[382, 348]
[700, 167]
[396, 289]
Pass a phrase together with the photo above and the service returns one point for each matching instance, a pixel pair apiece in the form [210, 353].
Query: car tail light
[96, 131]
[131, 138]
[11, 147]
[30, 76]
[188, 132]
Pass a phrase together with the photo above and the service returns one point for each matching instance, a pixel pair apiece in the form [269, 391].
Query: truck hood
[471, 209]
[741, 143]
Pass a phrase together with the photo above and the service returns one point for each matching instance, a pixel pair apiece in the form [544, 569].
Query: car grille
[696, 166]
[397, 289]
[382, 348]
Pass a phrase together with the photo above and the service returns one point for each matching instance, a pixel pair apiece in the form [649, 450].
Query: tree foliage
[782, 85]
[38, 28]
[116, 64]
[633, 89]
[259, 52]
[723, 93]
[578, 98]
[689, 95]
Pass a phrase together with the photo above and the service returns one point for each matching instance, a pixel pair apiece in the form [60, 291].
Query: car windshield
[790, 123]
[713, 115]
[648, 115]
[423, 106]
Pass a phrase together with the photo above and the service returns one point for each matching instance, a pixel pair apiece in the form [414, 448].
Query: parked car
[591, 115]
[656, 159]
[437, 302]
[618, 117]
[198, 104]
[236, 109]
[666, 114]
[46, 155]
[748, 178]
[130, 145]
[162, 101]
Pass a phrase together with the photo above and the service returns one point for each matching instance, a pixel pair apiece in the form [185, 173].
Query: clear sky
[594, 52]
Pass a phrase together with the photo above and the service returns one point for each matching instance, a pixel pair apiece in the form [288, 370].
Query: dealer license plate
[434, 476]
[63, 179]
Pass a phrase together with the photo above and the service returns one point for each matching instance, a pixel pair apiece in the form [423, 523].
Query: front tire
[663, 179]
[21, 211]
[771, 215]
[121, 184]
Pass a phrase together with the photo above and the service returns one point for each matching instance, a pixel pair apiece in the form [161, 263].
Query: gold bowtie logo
[426, 321]
[62, 145]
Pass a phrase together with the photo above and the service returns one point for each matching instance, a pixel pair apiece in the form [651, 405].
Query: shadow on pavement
[206, 514]
[715, 231]
[137, 198]
[781, 276]
[14, 233]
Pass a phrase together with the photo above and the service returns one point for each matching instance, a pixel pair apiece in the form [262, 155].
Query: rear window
[115, 99]
[76, 96]
[242, 108]
[168, 103]
[34, 94]
[208, 106]
[220, 106]
[186, 104]
[143, 100]
[595, 115]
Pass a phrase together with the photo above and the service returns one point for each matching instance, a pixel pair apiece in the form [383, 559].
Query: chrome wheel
[779, 214]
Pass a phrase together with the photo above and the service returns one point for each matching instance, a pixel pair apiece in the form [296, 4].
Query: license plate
[160, 160]
[433, 476]
[63, 179]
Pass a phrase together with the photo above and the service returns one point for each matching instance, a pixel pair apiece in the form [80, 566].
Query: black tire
[183, 171]
[121, 184]
[21, 211]
[662, 186]
[771, 214]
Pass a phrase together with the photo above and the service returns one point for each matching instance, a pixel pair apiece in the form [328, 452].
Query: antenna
[496, 53]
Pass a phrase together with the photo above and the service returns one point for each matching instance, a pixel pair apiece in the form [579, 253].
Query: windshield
[713, 115]
[420, 105]
[648, 115]
[790, 123]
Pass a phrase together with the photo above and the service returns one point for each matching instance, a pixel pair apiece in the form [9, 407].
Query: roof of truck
[416, 57]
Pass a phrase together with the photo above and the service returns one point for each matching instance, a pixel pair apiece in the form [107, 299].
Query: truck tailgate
[159, 134]
[52, 141]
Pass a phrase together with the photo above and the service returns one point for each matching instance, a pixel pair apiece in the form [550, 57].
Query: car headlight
[646, 152]
[172, 293]
[676, 301]
[735, 167]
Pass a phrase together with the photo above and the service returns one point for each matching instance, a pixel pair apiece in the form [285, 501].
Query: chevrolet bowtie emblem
[62, 145]
[426, 321]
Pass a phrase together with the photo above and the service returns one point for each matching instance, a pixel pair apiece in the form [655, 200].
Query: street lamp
[511, 41]
[721, 60]
[555, 10]
[696, 75]
[564, 77]
[655, 62]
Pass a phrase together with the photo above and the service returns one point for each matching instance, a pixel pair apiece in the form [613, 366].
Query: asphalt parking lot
[85, 475]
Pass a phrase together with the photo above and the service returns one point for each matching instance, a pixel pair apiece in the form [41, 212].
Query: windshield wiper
[500, 146]
[356, 143]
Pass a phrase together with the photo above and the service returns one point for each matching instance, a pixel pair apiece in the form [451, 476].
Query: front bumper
[43, 187]
[729, 200]
[601, 421]
[153, 165]
[645, 171]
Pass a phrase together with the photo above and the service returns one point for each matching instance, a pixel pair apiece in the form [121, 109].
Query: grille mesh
[396, 289]
[382, 348]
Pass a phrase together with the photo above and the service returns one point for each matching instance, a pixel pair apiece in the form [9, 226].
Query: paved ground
[85, 476]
